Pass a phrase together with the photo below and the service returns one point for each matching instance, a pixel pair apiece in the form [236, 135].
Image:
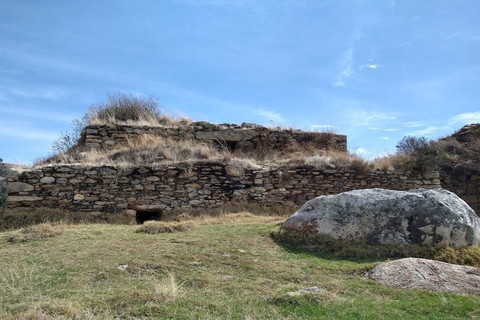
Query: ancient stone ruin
[156, 189]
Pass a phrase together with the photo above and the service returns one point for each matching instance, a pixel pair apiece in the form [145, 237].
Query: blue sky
[375, 70]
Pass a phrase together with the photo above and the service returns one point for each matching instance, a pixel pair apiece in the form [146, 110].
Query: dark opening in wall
[143, 216]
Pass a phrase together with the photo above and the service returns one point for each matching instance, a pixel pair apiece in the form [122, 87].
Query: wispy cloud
[415, 124]
[37, 114]
[25, 131]
[270, 116]
[369, 66]
[347, 68]
[373, 119]
[424, 132]
[465, 118]
[50, 93]
[391, 129]
[385, 138]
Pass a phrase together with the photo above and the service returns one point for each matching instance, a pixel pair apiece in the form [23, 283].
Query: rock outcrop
[379, 216]
[415, 273]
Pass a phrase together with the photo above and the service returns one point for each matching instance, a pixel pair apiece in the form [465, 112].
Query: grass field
[223, 268]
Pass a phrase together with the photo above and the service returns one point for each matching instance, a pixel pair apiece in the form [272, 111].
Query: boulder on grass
[379, 216]
[415, 273]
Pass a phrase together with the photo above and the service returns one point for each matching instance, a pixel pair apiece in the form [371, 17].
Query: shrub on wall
[119, 107]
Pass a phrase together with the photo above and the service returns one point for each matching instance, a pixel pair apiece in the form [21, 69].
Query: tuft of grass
[34, 233]
[363, 251]
[167, 290]
[153, 227]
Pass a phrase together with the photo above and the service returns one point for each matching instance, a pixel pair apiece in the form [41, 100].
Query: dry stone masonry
[199, 185]
[3, 183]
[236, 137]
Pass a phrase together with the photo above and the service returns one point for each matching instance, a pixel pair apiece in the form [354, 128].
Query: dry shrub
[120, 108]
[35, 233]
[391, 162]
[246, 163]
[154, 227]
[334, 159]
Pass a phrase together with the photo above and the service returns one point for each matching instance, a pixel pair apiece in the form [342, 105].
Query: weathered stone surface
[47, 180]
[227, 135]
[22, 198]
[415, 273]
[79, 197]
[13, 187]
[234, 171]
[379, 216]
[148, 207]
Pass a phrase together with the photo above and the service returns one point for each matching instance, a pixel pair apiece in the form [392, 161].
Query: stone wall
[236, 137]
[465, 183]
[3, 183]
[199, 185]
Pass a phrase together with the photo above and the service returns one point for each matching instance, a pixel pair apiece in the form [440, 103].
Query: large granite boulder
[378, 216]
[415, 273]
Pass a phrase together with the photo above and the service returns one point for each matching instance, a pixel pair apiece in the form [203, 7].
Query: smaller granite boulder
[416, 273]
[378, 216]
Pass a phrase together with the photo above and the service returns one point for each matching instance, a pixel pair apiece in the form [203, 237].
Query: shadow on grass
[327, 247]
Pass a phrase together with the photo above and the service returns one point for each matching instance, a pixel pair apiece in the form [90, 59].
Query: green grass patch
[229, 268]
[346, 249]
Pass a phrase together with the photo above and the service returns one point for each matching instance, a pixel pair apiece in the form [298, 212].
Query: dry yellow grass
[35, 232]
[153, 227]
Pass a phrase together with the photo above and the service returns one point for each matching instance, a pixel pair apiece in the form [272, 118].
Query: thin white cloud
[374, 120]
[347, 70]
[385, 138]
[423, 132]
[369, 66]
[51, 93]
[415, 124]
[270, 116]
[391, 129]
[465, 118]
[37, 114]
[26, 133]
